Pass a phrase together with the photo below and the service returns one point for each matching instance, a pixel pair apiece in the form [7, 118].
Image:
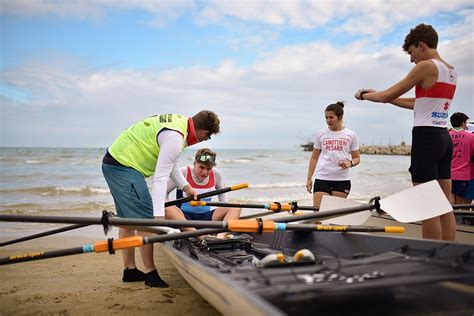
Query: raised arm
[423, 74]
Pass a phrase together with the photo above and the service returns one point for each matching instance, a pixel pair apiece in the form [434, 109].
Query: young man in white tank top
[435, 83]
[203, 177]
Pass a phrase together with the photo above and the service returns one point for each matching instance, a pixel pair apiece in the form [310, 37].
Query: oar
[43, 234]
[273, 206]
[418, 203]
[208, 194]
[430, 193]
[169, 203]
[463, 206]
[235, 225]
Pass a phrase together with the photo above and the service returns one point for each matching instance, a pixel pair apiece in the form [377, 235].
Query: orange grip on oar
[239, 186]
[279, 207]
[197, 203]
[246, 226]
[122, 243]
[394, 229]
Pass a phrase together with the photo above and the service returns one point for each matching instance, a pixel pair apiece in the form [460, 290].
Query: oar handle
[276, 207]
[208, 194]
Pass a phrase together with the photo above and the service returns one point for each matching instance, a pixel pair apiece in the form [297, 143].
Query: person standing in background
[435, 81]
[463, 155]
[335, 151]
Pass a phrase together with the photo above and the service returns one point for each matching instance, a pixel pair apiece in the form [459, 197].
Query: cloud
[269, 103]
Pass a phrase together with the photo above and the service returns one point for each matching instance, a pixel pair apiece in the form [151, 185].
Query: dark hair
[337, 108]
[458, 118]
[207, 121]
[421, 33]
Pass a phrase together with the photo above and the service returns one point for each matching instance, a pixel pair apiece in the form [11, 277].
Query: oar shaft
[323, 215]
[116, 221]
[275, 207]
[207, 194]
[103, 246]
[463, 206]
[41, 255]
[43, 234]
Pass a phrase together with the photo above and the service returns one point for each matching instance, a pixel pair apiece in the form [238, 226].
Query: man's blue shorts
[130, 192]
[207, 216]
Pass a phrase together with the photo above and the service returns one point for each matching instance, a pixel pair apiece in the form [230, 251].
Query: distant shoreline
[398, 150]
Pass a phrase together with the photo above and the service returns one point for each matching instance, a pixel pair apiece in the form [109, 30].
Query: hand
[360, 92]
[190, 191]
[309, 185]
[344, 164]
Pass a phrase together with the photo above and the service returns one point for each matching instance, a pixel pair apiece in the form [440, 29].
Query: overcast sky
[76, 73]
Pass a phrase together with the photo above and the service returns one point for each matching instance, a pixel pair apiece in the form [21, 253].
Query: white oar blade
[421, 202]
[333, 203]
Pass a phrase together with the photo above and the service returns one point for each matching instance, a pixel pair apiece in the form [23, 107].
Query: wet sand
[89, 284]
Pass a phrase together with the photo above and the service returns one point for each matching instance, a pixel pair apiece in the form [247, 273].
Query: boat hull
[246, 289]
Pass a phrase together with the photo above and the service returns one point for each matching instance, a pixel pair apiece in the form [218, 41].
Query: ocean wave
[237, 160]
[277, 185]
[56, 190]
[57, 209]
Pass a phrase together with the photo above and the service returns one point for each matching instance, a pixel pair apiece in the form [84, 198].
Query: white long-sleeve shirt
[171, 146]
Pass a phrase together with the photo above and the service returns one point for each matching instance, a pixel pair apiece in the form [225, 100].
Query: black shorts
[431, 152]
[329, 186]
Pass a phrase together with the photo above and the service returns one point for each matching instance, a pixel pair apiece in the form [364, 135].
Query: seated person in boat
[203, 177]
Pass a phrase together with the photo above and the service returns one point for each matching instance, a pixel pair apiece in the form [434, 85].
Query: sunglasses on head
[206, 158]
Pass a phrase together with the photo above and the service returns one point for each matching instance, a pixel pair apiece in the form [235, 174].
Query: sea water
[69, 181]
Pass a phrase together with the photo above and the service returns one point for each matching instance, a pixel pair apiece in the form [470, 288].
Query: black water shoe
[152, 279]
[133, 275]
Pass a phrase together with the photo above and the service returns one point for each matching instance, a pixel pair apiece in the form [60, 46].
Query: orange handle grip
[246, 226]
[129, 242]
[197, 203]
[394, 229]
[284, 207]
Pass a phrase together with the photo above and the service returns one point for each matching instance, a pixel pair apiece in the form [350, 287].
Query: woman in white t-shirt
[336, 149]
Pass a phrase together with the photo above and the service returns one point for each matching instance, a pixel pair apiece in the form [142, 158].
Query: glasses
[208, 137]
[205, 158]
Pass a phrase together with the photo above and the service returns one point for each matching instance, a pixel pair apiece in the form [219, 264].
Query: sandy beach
[89, 284]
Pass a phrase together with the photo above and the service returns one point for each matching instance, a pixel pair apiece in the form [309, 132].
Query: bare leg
[317, 197]
[175, 213]
[128, 254]
[447, 221]
[339, 194]
[146, 252]
[225, 213]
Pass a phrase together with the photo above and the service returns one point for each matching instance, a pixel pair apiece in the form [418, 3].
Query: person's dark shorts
[460, 187]
[329, 186]
[470, 191]
[129, 190]
[207, 216]
[431, 152]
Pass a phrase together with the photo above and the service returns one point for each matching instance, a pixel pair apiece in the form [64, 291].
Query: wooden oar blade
[333, 203]
[421, 202]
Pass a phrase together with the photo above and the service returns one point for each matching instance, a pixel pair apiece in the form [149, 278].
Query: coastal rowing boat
[464, 226]
[351, 273]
